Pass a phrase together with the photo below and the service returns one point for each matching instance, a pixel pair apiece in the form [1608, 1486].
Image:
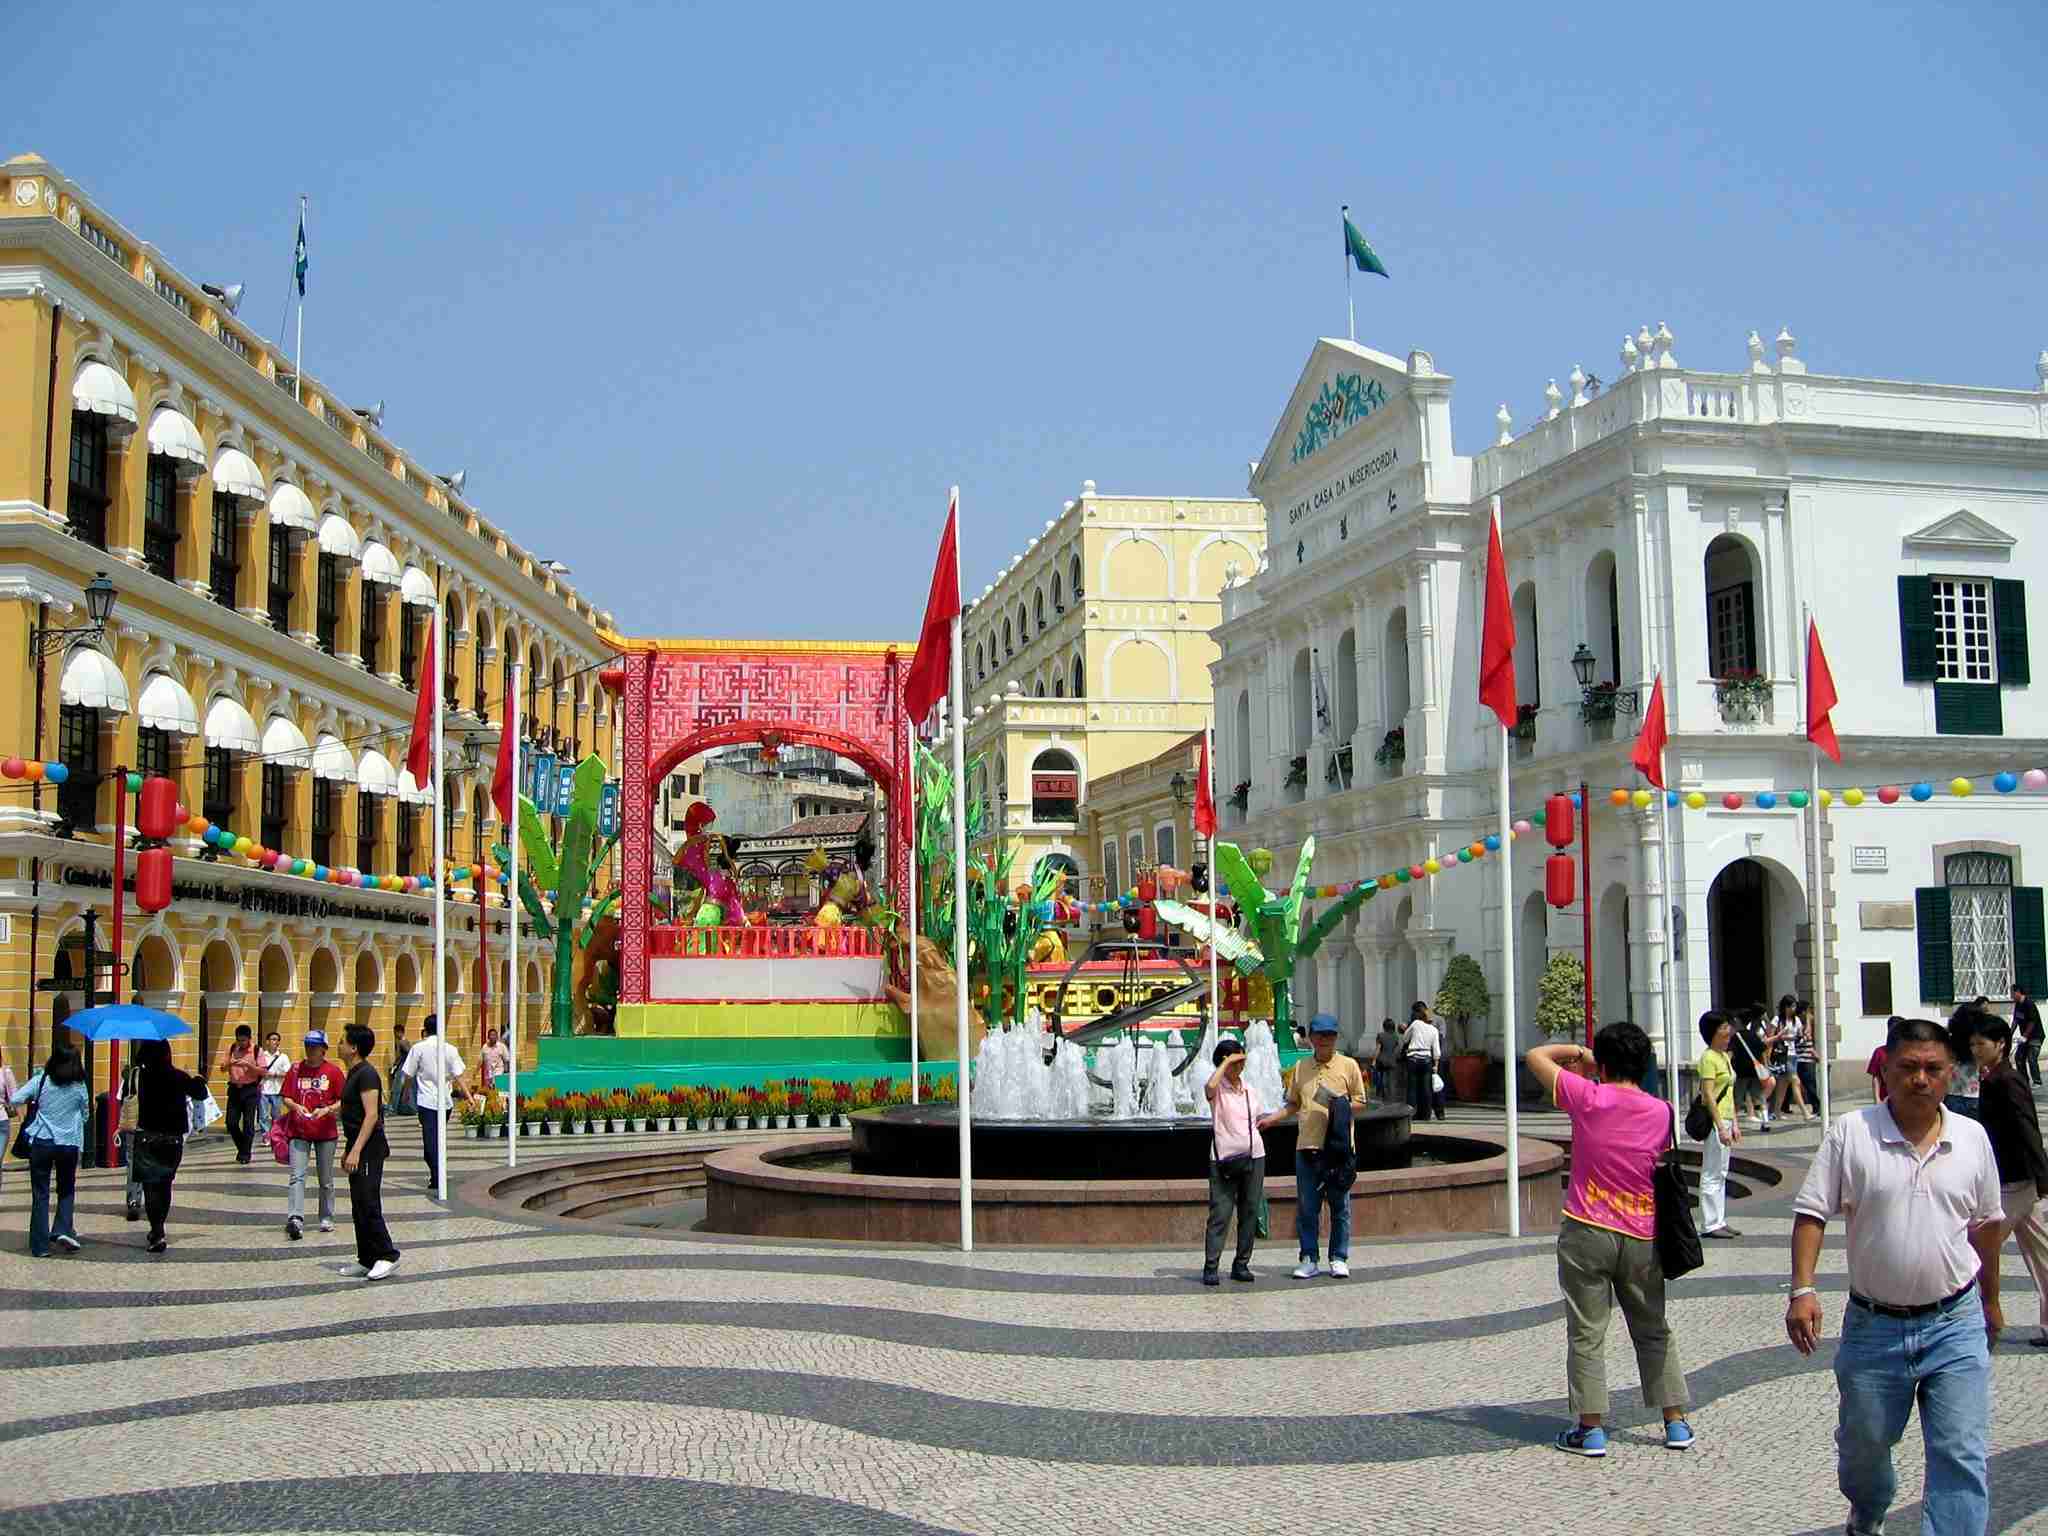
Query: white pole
[1215, 877]
[1507, 953]
[511, 726]
[957, 721]
[1350, 310]
[299, 346]
[1669, 963]
[1816, 902]
[440, 896]
[910, 730]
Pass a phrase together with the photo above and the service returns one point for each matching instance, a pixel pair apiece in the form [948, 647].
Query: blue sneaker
[1581, 1441]
[1677, 1435]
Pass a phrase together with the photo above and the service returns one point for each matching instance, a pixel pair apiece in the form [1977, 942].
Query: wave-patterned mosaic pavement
[515, 1376]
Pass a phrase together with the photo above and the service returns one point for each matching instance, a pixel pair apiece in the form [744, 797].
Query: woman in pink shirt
[1605, 1247]
[1237, 1162]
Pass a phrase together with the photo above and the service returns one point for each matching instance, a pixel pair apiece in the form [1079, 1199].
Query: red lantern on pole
[1560, 879]
[153, 879]
[156, 808]
[1557, 823]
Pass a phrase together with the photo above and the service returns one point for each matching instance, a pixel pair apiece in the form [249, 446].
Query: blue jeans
[1310, 1195]
[1883, 1366]
[268, 1107]
[45, 1158]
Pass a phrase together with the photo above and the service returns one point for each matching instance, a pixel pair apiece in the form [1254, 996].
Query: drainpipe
[35, 911]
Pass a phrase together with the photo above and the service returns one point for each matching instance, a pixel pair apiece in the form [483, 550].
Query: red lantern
[1557, 822]
[1560, 879]
[153, 877]
[156, 809]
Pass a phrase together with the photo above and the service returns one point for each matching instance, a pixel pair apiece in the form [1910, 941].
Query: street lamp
[1604, 701]
[99, 607]
[1582, 665]
[472, 752]
[1179, 785]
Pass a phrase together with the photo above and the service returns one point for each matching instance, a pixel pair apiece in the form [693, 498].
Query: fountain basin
[923, 1141]
[778, 1189]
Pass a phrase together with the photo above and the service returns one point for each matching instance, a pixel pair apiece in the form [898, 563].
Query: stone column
[1365, 739]
[1425, 725]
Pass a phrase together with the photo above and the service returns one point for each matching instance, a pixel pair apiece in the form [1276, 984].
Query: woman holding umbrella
[161, 1123]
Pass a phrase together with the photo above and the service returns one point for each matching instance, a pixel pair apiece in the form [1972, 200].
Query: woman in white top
[435, 1071]
[1237, 1162]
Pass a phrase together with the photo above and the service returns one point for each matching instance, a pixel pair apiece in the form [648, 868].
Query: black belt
[1883, 1309]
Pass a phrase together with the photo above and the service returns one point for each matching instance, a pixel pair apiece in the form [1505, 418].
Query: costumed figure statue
[1057, 910]
[708, 897]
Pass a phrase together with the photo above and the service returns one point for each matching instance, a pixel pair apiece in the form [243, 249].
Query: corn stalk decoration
[1277, 933]
[933, 836]
[556, 879]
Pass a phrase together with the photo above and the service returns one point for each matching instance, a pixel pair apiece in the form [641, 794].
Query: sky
[715, 303]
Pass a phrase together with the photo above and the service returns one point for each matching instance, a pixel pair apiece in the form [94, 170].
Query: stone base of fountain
[802, 1189]
[923, 1141]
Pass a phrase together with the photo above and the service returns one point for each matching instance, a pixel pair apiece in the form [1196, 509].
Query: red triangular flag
[1205, 796]
[1497, 641]
[927, 682]
[1820, 696]
[1648, 755]
[505, 778]
[419, 755]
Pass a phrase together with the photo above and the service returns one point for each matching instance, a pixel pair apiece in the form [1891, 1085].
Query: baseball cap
[1323, 1024]
[316, 1037]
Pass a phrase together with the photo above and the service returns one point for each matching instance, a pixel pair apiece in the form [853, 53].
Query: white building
[1680, 523]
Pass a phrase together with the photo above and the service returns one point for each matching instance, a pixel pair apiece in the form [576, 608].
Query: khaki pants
[2026, 1217]
[1595, 1268]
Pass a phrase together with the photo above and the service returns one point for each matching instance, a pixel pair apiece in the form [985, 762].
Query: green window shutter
[1968, 709]
[1916, 628]
[2009, 612]
[2029, 941]
[1937, 944]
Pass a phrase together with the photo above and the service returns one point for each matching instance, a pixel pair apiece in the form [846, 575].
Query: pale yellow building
[1090, 654]
[277, 559]
[1142, 816]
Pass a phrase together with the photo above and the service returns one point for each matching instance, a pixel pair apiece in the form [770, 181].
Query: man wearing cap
[312, 1100]
[1317, 1085]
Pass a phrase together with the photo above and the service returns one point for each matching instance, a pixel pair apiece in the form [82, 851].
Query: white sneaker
[381, 1268]
[326, 1226]
[1306, 1270]
[1340, 1269]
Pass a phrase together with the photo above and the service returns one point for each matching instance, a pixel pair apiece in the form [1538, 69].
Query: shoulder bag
[1699, 1117]
[1677, 1239]
[28, 1118]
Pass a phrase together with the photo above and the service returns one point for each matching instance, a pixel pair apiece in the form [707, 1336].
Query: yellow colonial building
[1090, 654]
[276, 560]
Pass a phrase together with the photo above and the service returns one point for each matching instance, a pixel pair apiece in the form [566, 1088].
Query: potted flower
[1742, 696]
[776, 1101]
[1241, 795]
[842, 1102]
[743, 1106]
[821, 1104]
[1393, 748]
[863, 1097]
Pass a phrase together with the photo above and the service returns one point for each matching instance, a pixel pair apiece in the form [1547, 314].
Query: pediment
[1962, 530]
[1343, 387]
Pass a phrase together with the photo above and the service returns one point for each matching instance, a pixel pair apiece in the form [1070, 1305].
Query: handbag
[28, 1118]
[1677, 1239]
[154, 1156]
[203, 1112]
[1237, 1162]
[1699, 1120]
[279, 1138]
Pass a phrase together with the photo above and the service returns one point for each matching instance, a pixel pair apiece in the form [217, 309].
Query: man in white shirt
[275, 1065]
[1919, 1188]
[435, 1070]
[1421, 1052]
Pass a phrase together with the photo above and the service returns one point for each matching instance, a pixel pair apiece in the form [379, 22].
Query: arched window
[451, 626]
[1242, 748]
[1079, 687]
[1059, 687]
[1303, 713]
[980, 664]
[555, 701]
[1112, 886]
[1038, 610]
[481, 644]
[1023, 626]
[1731, 610]
[1009, 641]
[1058, 603]
[532, 721]
[1528, 675]
[1345, 686]
[1603, 618]
[480, 850]
[1055, 786]
[1074, 577]
[1052, 863]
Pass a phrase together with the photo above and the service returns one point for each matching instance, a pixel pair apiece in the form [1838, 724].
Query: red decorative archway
[682, 697]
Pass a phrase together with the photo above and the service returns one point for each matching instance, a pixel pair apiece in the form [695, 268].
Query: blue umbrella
[126, 1021]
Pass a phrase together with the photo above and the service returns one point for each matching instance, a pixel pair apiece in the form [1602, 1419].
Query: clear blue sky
[714, 306]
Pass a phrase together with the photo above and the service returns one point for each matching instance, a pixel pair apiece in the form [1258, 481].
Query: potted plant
[1525, 722]
[1393, 748]
[1297, 771]
[1241, 795]
[1461, 998]
[776, 1101]
[568, 1124]
[1561, 1001]
[1742, 696]
[821, 1102]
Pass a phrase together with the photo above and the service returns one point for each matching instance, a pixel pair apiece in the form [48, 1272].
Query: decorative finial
[2041, 369]
[1756, 354]
[1787, 345]
[1507, 422]
[1087, 487]
[1551, 396]
[1577, 380]
[1629, 355]
[1664, 357]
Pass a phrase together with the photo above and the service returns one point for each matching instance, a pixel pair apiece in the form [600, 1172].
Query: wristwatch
[1802, 1290]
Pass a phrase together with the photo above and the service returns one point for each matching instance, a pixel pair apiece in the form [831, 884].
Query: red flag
[1497, 641]
[505, 777]
[927, 682]
[419, 755]
[1205, 796]
[1649, 753]
[1820, 696]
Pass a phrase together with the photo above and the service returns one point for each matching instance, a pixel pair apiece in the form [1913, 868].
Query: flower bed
[777, 1104]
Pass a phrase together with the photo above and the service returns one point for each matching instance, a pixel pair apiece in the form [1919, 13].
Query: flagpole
[910, 730]
[1816, 902]
[1215, 876]
[440, 899]
[1350, 310]
[511, 727]
[1670, 969]
[299, 346]
[1507, 954]
[958, 721]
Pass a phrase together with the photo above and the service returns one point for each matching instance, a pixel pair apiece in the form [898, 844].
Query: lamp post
[1602, 701]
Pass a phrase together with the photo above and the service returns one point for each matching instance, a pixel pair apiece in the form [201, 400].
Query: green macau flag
[1360, 252]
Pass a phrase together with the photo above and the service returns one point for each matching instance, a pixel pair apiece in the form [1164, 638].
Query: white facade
[1678, 523]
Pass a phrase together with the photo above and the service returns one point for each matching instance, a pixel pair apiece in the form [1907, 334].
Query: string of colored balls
[245, 847]
[2005, 782]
